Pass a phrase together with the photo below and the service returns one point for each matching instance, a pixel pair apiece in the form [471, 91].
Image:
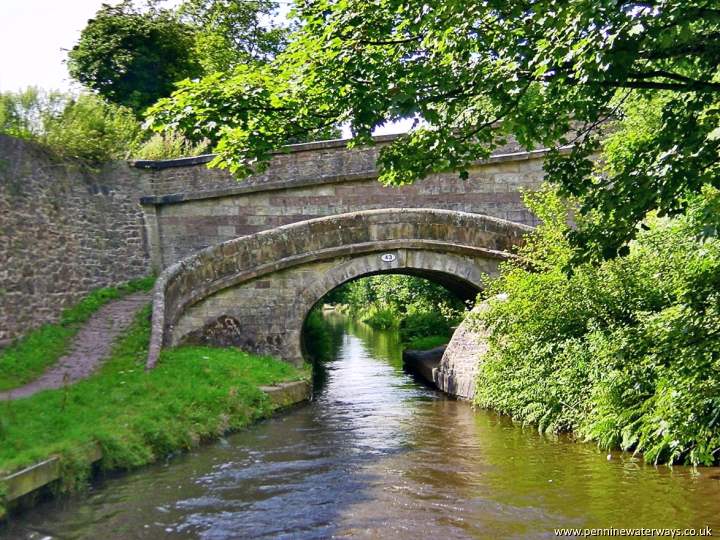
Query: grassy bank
[625, 352]
[195, 394]
[28, 357]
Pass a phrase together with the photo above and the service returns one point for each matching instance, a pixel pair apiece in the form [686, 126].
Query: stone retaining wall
[461, 359]
[63, 232]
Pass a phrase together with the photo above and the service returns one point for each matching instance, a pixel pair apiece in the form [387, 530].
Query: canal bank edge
[32, 479]
[458, 368]
[453, 368]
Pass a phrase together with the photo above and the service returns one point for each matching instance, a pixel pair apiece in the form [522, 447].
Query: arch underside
[255, 292]
[460, 287]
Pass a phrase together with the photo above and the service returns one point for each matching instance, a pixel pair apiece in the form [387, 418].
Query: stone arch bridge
[254, 292]
[243, 263]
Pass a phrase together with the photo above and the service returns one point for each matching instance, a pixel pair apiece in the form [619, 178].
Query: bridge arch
[255, 291]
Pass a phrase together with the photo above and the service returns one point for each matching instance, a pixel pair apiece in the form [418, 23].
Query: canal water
[379, 455]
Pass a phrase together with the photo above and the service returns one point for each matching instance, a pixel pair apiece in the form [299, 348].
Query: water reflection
[379, 456]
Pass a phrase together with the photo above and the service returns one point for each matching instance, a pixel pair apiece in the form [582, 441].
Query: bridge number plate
[388, 257]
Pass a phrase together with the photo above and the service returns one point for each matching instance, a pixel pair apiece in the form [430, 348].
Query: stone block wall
[63, 232]
[462, 358]
[194, 207]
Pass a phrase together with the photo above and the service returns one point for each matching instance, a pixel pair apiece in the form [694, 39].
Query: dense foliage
[626, 353]
[548, 72]
[133, 57]
[88, 128]
[24, 114]
[417, 307]
[229, 33]
[83, 127]
[92, 130]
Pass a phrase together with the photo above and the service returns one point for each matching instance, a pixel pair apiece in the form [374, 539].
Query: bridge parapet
[206, 207]
[296, 164]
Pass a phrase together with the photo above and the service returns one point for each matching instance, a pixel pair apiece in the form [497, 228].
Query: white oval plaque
[388, 257]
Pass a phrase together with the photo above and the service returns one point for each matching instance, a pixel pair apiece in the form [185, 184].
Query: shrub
[423, 324]
[83, 127]
[23, 113]
[626, 353]
[170, 145]
[381, 318]
[92, 130]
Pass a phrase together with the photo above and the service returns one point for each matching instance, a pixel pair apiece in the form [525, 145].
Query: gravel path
[89, 347]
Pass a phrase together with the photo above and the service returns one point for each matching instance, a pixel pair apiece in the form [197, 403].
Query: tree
[133, 58]
[549, 72]
[23, 114]
[233, 32]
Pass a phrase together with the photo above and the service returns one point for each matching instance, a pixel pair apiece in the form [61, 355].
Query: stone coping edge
[41, 474]
[159, 164]
[242, 189]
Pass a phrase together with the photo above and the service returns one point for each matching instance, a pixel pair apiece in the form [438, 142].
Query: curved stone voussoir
[256, 290]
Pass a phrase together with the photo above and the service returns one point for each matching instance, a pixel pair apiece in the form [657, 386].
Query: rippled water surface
[377, 455]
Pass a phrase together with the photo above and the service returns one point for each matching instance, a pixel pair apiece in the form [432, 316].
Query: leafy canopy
[548, 72]
[229, 33]
[133, 58]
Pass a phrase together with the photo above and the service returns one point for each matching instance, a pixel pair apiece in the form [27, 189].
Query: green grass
[194, 394]
[28, 357]
[380, 318]
[426, 343]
